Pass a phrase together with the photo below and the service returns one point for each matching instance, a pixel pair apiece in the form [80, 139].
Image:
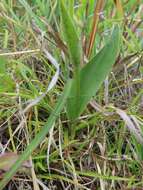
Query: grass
[105, 151]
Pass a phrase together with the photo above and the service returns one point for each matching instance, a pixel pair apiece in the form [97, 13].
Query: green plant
[88, 79]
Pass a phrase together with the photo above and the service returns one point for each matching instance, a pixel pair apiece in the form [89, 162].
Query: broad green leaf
[71, 36]
[92, 76]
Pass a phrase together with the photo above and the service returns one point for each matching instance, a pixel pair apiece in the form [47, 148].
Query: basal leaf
[70, 35]
[92, 76]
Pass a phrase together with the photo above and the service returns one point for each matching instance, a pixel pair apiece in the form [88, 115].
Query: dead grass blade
[119, 7]
[131, 124]
[97, 12]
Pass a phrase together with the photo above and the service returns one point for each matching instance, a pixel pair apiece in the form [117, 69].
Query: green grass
[98, 150]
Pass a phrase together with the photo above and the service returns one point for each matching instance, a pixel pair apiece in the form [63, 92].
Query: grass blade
[39, 137]
[32, 14]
